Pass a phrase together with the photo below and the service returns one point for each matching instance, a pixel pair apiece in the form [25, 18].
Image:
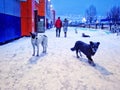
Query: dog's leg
[44, 44]
[44, 49]
[80, 53]
[77, 53]
[37, 50]
[33, 50]
[90, 61]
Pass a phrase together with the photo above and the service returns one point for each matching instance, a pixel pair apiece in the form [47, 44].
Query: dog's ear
[98, 43]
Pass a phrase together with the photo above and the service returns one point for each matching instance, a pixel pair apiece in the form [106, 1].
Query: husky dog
[39, 39]
[84, 35]
[88, 49]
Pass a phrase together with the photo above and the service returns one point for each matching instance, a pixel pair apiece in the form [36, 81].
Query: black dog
[88, 49]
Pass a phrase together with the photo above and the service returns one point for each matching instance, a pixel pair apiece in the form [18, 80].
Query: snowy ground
[59, 69]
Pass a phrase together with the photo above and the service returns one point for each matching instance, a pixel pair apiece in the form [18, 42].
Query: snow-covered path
[59, 69]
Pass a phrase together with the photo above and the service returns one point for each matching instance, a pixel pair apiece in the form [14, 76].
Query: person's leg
[65, 34]
[56, 32]
[65, 31]
[59, 31]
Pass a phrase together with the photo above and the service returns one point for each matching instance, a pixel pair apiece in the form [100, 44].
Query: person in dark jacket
[58, 25]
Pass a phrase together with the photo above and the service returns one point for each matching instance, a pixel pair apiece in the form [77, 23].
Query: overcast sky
[63, 7]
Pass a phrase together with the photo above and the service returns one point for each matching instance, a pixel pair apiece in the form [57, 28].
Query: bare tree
[91, 14]
[114, 15]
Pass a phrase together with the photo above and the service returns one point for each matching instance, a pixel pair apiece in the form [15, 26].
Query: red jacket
[58, 23]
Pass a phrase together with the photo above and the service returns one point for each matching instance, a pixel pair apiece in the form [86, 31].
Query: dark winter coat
[58, 23]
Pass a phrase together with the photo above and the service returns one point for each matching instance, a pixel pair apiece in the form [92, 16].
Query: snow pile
[59, 69]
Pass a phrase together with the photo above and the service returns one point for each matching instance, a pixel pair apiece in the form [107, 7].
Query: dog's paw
[44, 52]
[91, 63]
[78, 57]
[33, 54]
[37, 55]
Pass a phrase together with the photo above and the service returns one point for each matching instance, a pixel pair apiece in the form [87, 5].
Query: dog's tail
[73, 49]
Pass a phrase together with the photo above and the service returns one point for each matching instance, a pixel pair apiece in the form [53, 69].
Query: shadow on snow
[98, 67]
[34, 59]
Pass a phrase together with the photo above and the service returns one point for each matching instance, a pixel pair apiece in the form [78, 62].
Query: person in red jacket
[58, 25]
